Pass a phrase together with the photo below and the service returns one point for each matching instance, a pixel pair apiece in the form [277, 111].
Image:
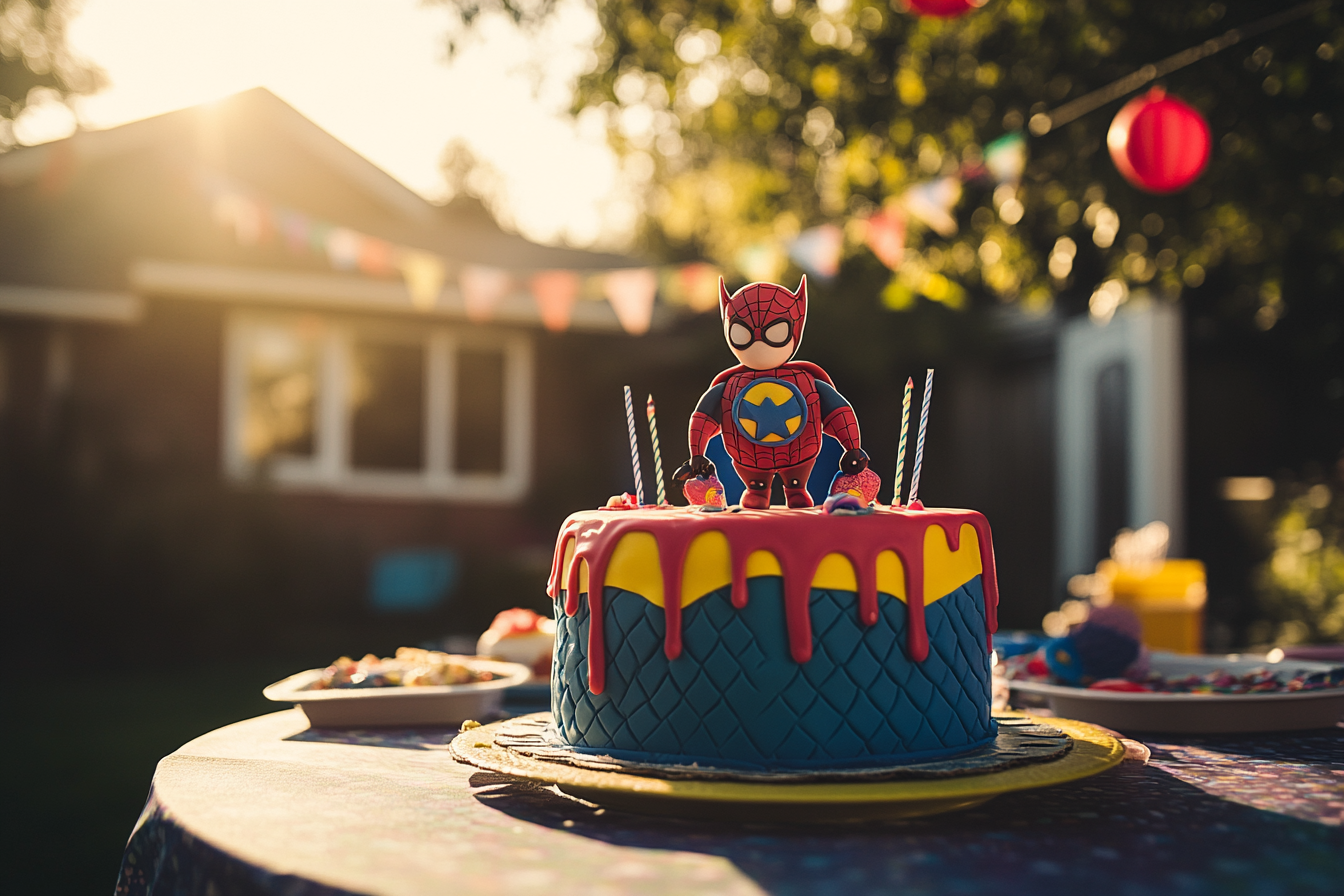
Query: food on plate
[411, 667]
[1103, 652]
[520, 636]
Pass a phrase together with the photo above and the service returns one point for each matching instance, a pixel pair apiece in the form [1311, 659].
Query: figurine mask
[763, 323]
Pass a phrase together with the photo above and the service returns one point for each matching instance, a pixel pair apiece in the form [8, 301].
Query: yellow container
[1169, 601]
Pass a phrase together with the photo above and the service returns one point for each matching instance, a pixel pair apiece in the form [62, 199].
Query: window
[280, 372]
[479, 439]
[380, 410]
[387, 403]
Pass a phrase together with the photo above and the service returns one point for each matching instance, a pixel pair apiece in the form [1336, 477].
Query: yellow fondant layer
[708, 567]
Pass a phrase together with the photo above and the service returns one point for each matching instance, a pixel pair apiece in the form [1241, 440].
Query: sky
[375, 74]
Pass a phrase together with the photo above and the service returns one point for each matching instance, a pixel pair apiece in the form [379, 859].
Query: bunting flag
[817, 251]
[424, 273]
[375, 257]
[482, 288]
[631, 292]
[694, 286]
[555, 292]
[701, 283]
[761, 262]
[293, 228]
[1006, 157]
[343, 247]
[885, 236]
[241, 215]
[931, 204]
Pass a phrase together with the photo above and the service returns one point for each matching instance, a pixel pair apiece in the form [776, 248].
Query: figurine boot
[795, 485]
[757, 494]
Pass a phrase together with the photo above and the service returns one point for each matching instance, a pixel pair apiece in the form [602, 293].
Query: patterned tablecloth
[270, 806]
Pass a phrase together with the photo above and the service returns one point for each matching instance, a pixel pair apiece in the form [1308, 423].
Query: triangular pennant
[932, 202]
[631, 292]
[241, 214]
[555, 292]
[1006, 157]
[294, 227]
[375, 256]
[343, 248]
[424, 274]
[817, 250]
[886, 236]
[482, 288]
[700, 285]
[761, 262]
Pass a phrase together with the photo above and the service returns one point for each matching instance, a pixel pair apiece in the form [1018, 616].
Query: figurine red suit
[771, 410]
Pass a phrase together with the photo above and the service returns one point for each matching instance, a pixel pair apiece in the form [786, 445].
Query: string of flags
[818, 250]
[255, 220]
[631, 292]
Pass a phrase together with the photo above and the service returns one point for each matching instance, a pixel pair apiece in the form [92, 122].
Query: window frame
[329, 468]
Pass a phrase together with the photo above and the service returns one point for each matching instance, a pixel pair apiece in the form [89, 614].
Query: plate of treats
[415, 687]
[1179, 693]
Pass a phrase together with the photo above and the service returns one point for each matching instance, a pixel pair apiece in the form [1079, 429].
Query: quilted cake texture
[735, 695]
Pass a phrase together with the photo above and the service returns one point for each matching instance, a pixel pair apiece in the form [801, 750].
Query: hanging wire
[1043, 123]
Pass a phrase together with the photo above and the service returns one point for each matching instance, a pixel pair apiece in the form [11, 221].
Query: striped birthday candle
[919, 441]
[634, 446]
[657, 455]
[900, 451]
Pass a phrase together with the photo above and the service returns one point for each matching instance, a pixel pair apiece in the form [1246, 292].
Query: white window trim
[329, 469]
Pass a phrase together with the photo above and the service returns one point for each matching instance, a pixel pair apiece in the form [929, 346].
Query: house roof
[90, 211]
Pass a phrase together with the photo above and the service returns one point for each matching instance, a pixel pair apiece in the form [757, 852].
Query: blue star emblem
[770, 412]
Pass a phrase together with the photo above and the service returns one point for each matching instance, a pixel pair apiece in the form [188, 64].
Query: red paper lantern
[944, 9]
[1158, 143]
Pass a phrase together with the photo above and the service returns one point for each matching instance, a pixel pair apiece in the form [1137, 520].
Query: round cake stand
[1093, 751]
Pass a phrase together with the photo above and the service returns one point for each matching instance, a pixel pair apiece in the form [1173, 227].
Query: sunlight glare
[374, 75]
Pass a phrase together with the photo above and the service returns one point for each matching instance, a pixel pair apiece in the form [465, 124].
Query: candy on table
[1104, 646]
[1033, 667]
[624, 501]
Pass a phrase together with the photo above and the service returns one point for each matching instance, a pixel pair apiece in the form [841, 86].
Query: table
[271, 806]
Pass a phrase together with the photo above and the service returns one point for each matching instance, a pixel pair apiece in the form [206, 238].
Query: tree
[757, 119]
[35, 62]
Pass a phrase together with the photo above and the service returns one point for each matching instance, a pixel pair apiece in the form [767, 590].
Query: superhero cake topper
[771, 410]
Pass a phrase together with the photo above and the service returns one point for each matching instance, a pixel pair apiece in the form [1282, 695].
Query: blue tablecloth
[270, 806]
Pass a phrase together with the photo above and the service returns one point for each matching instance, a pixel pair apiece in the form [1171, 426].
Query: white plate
[1200, 713]
[445, 704]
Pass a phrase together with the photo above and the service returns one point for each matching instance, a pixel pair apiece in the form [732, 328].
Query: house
[231, 295]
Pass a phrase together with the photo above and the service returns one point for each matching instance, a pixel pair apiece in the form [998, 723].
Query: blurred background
[314, 316]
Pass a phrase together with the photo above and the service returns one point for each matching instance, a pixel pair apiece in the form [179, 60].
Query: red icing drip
[739, 561]
[799, 540]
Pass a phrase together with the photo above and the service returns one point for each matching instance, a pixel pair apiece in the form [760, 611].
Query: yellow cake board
[634, 566]
[1093, 752]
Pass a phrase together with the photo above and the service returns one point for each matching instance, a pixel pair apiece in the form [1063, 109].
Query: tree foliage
[755, 119]
[1301, 585]
[34, 59]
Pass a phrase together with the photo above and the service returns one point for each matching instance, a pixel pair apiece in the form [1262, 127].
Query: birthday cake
[787, 637]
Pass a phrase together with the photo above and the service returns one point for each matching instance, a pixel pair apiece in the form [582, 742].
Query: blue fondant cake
[859, 678]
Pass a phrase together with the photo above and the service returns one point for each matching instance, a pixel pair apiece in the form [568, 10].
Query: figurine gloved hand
[698, 465]
[853, 461]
